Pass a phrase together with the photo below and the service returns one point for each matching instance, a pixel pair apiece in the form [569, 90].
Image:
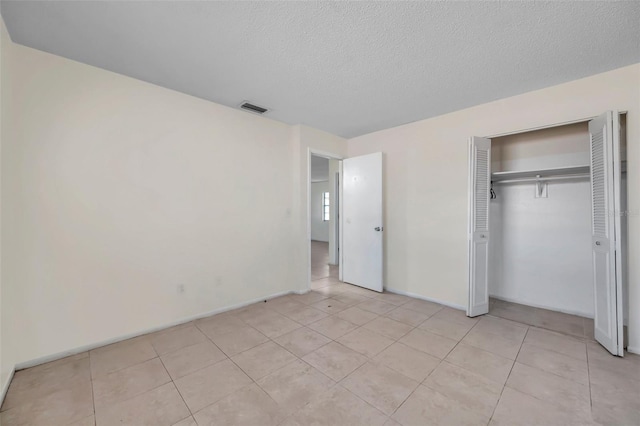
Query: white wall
[115, 191]
[427, 170]
[540, 249]
[319, 227]
[5, 120]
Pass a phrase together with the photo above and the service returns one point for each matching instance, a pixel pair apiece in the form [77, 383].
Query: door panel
[604, 134]
[362, 222]
[479, 186]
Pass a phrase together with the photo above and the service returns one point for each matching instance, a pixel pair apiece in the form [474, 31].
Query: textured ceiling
[345, 67]
[319, 169]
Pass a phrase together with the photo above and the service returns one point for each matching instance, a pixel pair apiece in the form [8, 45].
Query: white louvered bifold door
[604, 132]
[479, 186]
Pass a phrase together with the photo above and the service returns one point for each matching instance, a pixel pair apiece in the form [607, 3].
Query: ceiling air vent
[253, 108]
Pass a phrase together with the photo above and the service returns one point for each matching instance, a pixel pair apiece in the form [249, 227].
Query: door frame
[338, 238]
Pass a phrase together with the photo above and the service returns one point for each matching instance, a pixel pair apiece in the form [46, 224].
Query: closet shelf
[543, 173]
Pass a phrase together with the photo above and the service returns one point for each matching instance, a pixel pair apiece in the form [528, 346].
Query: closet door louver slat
[479, 232]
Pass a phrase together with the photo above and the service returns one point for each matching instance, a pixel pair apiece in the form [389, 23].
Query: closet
[546, 222]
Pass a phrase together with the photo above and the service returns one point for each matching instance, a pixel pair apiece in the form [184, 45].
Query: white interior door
[479, 186]
[362, 225]
[606, 238]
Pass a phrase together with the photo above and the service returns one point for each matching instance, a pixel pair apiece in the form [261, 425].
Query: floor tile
[38, 382]
[335, 360]
[120, 355]
[561, 322]
[387, 327]
[330, 306]
[502, 327]
[472, 392]
[380, 386]
[295, 385]
[486, 364]
[263, 359]
[283, 303]
[516, 408]
[356, 315]
[240, 340]
[308, 298]
[210, 384]
[616, 404]
[605, 366]
[426, 407]
[514, 312]
[349, 298]
[220, 324]
[411, 362]
[159, 406]
[87, 421]
[491, 342]
[274, 324]
[337, 407]
[187, 360]
[189, 421]
[549, 387]
[394, 299]
[557, 342]
[423, 306]
[248, 406]
[365, 342]
[450, 329]
[302, 341]
[407, 316]
[168, 341]
[376, 306]
[306, 314]
[129, 382]
[455, 315]
[333, 327]
[430, 343]
[362, 291]
[63, 407]
[554, 362]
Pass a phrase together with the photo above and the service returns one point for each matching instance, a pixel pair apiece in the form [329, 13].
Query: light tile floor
[338, 355]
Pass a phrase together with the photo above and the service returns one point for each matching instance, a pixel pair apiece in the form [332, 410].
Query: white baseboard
[428, 299]
[5, 385]
[542, 306]
[84, 348]
[633, 350]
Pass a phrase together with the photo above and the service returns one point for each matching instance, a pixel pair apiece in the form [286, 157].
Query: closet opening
[538, 236]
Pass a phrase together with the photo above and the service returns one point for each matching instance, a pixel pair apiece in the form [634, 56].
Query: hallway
[320, 267]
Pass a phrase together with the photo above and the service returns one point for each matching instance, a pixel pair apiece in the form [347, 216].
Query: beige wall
[5, 120]
[427, 170]
[115, 192]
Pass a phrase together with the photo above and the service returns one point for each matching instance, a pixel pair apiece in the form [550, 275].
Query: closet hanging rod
[542, 178]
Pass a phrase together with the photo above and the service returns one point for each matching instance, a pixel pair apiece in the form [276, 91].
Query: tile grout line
[93, 395]
[175, 386]
[589, 381]
[509, 375]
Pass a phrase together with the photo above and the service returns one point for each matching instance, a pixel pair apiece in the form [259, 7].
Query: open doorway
[324, 212]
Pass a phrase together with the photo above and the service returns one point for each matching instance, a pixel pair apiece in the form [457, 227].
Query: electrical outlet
[180, 288]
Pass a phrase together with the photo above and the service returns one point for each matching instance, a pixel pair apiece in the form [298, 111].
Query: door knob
[378, 228]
